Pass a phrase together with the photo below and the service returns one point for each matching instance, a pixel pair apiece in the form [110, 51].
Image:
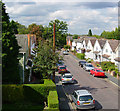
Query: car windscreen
[99, 70]
[89, 65]
[86, 98]
[62, 67]
[67, 76]
[83, 62]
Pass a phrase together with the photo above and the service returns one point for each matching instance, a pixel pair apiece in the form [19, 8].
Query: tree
[10, 50]
[37, 30]
[90, 32]
[75, 36]
[44, 62]
[60, 32]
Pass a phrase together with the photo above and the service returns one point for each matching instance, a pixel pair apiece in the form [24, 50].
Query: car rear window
[83, 61]
[86, 98]
[99, 70]
[62, 67]
[67, 76]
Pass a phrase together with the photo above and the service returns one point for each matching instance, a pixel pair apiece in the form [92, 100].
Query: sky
[80, 15]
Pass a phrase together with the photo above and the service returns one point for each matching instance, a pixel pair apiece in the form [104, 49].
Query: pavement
[64, 102]
[110, 78]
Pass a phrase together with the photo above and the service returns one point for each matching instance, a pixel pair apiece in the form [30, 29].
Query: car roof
[82, 92]
[98, 69]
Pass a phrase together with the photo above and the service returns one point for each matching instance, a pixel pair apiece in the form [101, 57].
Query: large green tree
[61, 29]
[10, 50]
[46, 59]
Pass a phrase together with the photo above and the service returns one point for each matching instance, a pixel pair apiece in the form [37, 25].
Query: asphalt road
[104, 92]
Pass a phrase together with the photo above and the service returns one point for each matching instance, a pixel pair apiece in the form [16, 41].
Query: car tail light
[78, 103]
[62, 79]
[93, 101]
[72, 79]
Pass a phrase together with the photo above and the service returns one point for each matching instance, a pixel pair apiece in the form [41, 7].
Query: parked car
[97, 72]
[67, 78]
[60, 63]
[62, 69]
[65, 52]
[81, 63]
[83, 99]
[88, 66]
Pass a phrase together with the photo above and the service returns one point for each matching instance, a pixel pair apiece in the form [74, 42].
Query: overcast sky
[80, 16]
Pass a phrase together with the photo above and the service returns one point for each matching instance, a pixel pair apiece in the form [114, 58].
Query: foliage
[75, 36]
[27, 94]
[22, 29]
[115, 34]
[90, 32]
[80, 55]
[37, 30]
[97, 36]
[53, 100]
[46, 59]
[66, 46]
[107, 65]
[61, 29]
[89, 60]
[10, 50]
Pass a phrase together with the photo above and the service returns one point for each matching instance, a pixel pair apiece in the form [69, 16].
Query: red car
[97, 72]
[62, 69]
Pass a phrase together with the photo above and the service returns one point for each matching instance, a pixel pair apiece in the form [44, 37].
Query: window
[86, 98]
[106, 50]
[96, 48]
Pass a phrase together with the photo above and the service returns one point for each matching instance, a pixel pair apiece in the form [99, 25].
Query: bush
[66, 46]
[80, 55]
[28, 93]
[89, 60]
[53, 100]
[107, 66]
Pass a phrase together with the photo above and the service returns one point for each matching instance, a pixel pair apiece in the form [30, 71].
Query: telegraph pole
[54, 49]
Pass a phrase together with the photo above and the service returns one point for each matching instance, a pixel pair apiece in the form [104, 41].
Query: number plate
[86, 103]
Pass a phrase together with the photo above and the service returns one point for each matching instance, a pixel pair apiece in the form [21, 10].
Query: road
[105, 93]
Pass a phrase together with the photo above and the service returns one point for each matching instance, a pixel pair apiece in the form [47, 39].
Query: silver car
[65, 53]
[83, 99]
[88, 67]
[67, 78]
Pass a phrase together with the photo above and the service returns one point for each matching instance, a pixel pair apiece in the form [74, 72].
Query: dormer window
[106, 50]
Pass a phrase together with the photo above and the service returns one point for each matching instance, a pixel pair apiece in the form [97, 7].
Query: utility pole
[54, 49]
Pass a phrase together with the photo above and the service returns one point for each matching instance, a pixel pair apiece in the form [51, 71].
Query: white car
[67, 78]
[65, 53]
[88, 67]
[83, 99]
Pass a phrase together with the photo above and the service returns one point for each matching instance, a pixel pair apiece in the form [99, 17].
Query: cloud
[80, 17]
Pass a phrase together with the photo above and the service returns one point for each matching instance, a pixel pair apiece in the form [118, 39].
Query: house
[109, 50]
[74, 44]
[98, 50]
[79, 45]
[90, 48]
[27, 43]
[117, 57]
[23, 53]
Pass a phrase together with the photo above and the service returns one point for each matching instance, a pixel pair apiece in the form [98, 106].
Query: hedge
[80, 55]
[53, 100]
[27, 93]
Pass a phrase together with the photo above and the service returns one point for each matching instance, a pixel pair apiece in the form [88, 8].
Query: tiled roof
[117, 59]
[93, 41]
[22, 42]
[113, 44]
[101, 42]
[106, 56]
[96, 52]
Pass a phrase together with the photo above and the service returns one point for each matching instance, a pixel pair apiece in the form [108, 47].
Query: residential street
[104, 92]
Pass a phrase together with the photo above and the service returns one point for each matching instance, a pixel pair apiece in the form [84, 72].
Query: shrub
[53, 100]
[66, 46]
[107, 65]
[80, 55]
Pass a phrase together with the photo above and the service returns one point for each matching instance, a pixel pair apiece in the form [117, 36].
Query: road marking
[112, 82]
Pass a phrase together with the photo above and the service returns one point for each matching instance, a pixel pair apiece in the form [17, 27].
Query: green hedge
[53, 100]
[27, 93]
[80, 55]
